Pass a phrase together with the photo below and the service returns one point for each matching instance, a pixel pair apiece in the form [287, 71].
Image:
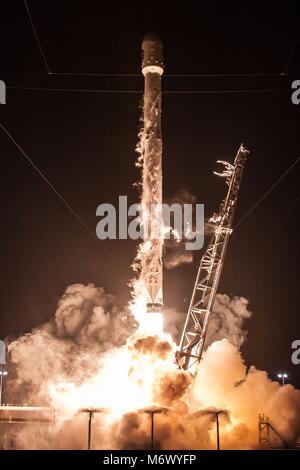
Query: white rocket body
[152, 69]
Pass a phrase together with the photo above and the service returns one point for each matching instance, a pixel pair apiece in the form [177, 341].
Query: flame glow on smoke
[86, 357]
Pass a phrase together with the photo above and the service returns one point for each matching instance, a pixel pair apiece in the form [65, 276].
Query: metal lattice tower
[263, 432]
[195, 329]
[265, 425]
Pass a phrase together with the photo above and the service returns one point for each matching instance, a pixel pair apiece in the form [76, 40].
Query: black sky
[84, 143]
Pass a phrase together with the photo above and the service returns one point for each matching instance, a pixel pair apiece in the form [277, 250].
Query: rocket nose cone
[152, 36]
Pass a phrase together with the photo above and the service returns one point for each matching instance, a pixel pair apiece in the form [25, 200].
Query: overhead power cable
[165, 92]
[62, 199]
[267, 192]
[290, 56]
[37, 38]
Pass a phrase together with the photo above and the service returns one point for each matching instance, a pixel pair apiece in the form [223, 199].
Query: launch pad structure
[207, 280]
[265, 431]
[26, 414]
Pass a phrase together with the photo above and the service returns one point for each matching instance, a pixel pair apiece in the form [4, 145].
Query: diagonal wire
[37, 38]
[283, 220]
[62, 199]
[267, 192]
[290, 56]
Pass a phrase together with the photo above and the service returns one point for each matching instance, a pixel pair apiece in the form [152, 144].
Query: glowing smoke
[227, 320]
[87, 323]
[69, 365]
[223, 382]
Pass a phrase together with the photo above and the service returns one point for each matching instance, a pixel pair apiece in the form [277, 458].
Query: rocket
[152, 69]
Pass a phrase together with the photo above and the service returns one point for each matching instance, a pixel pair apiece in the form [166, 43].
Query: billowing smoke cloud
[172, 386]
[227, 320]
[87, 323]
[90, 351]
[89, 316]
[224, 383]
[150, 345]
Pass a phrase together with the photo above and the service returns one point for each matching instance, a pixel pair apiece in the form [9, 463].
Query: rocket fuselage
[152, 68]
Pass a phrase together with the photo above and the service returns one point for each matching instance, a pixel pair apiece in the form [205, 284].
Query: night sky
[84, 141]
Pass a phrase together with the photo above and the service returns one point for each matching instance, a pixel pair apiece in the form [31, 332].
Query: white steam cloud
[80, 354]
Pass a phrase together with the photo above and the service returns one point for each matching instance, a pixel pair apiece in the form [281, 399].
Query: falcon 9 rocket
[152, 69]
